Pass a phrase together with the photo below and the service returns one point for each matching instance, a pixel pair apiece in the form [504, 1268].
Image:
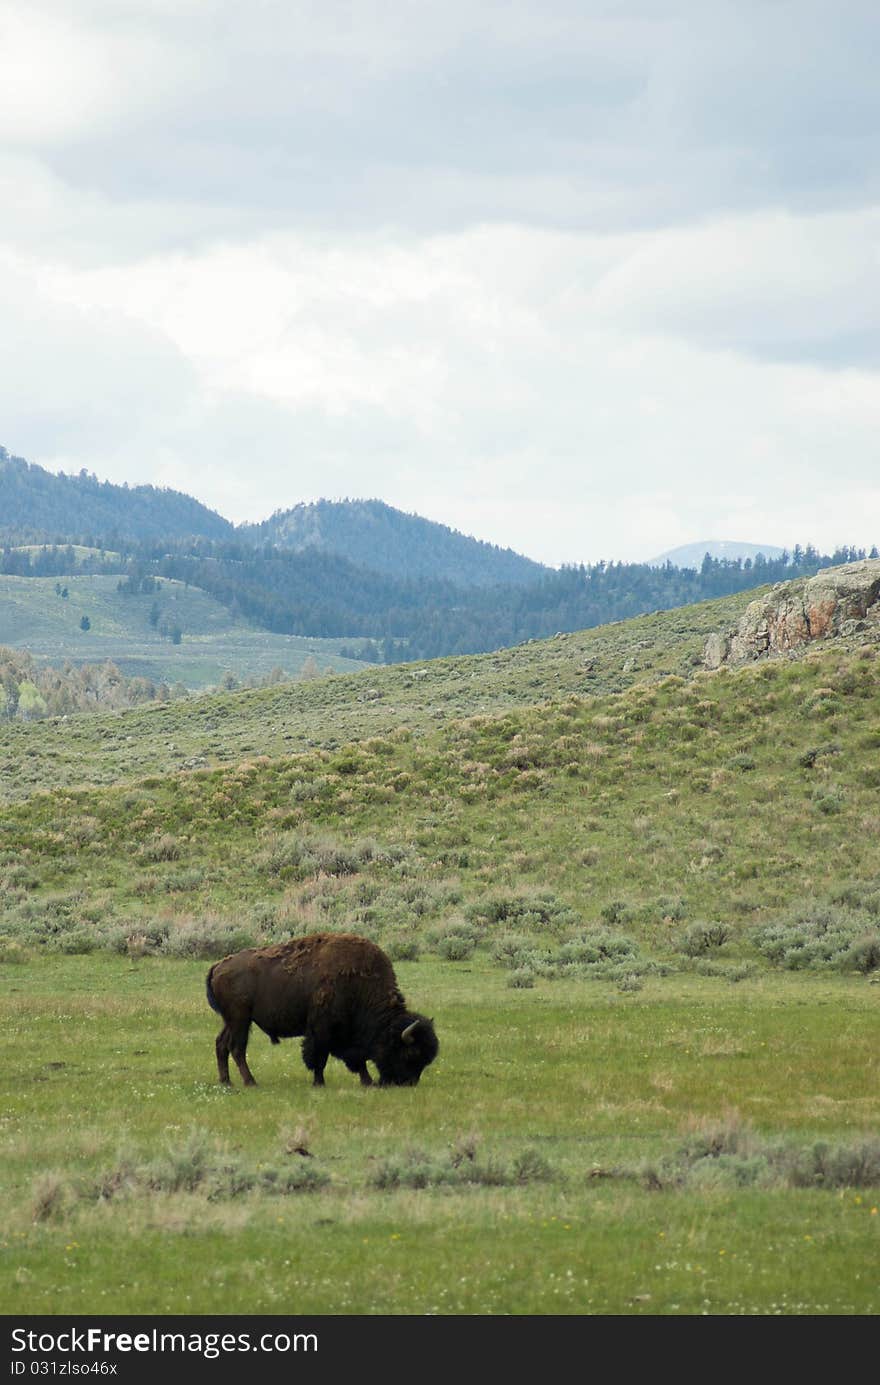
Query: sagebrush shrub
[165, 847]
[523, 978]
[701, 938]
[403, 949]
[820, 936]
[207, 938]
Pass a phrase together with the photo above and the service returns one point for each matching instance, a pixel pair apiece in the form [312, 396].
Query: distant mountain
[36, 503]
[371, 534]
[692, 554]
[390, 585]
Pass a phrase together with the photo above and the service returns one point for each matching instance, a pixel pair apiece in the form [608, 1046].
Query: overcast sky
[586, 279]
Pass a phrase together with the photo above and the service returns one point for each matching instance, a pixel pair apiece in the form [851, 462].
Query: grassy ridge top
[223, 727]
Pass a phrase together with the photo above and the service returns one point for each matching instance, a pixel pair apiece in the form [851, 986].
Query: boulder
[837, 601]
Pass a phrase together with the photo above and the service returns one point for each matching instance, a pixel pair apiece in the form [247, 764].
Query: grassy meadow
[641, 902]
[35, 617]
[572, 1150]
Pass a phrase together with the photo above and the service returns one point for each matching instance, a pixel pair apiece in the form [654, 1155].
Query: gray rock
[716, 650]
[837, 601]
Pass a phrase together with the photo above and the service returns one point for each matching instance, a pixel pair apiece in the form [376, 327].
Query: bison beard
[337, 990]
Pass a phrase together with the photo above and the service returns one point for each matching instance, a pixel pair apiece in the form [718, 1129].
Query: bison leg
[315, 1057]
[222, 1047]
[238, 1040]
[358, 1065]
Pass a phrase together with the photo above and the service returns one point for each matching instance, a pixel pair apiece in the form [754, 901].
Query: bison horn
[409, 1032]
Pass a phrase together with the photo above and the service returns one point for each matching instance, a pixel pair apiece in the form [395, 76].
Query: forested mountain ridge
[389, 585]
[38, 505]
[372, 534]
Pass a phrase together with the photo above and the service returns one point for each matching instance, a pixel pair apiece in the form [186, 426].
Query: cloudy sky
[589, 278]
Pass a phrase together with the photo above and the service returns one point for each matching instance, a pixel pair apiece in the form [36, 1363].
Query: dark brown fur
[337, 990]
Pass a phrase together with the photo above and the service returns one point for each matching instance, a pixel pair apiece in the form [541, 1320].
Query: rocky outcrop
[837, 601]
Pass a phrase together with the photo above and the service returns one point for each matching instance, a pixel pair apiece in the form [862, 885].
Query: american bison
[336, 989]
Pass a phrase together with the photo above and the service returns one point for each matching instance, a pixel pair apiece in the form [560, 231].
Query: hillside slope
[667, 820]
[377, 536]
[220, 728]
[37, 617]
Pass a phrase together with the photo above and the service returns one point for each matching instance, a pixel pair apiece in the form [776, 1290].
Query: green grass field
[124, 1165]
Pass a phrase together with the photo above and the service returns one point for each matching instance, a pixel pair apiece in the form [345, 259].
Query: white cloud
[589, 280]
[497, 368]
[770, 283]
[63, 81]
[52, 79]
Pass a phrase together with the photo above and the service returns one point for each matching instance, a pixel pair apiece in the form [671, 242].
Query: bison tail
[209, 991]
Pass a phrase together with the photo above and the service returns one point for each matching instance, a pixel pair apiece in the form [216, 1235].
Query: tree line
[320, 594]
[31, 690]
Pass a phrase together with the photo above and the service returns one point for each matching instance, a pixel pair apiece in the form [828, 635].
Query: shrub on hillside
[864, 954]
[403, 949]
[12, 951]
[294, 856]
[161, 848]
[617, 911]
[858, 894]
[516, 951]
[540, 909]
[523, 979]
[821, 937]
[596, 946]
[208, 938]
[742, 762]
[455, 942]
[702, 938]
[828, 799]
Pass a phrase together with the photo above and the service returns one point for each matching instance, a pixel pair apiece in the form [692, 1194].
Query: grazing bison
[336, 989]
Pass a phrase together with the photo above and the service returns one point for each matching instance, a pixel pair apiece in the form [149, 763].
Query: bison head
[408, 1050]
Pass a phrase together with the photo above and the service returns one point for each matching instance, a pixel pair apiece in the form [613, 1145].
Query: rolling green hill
[222, 727]
[608, 769]
[81, 554]
[34, 615]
